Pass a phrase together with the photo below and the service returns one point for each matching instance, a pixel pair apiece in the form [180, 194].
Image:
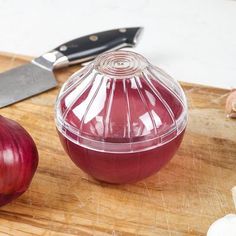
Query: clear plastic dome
[121, 103]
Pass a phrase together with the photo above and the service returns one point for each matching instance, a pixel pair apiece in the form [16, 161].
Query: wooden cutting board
[184, 198]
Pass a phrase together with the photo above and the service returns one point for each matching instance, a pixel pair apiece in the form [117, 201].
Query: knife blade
[37, 76]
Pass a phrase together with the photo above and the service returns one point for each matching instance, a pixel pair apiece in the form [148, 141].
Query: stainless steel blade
[24, 81]
[37, 76]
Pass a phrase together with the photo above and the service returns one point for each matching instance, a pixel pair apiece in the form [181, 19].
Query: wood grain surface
[184, 198]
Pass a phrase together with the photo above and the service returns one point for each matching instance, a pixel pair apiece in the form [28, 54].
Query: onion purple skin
[18, 160]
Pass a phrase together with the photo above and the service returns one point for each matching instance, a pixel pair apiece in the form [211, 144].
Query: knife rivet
[122, 30]
[93, 38]
[63, 48]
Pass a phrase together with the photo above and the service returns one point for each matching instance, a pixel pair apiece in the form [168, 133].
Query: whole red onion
[18, 160]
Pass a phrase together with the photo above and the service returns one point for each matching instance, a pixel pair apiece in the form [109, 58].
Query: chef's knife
[37, 76]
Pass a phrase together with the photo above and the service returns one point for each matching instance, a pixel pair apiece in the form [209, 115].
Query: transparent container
[121, 119]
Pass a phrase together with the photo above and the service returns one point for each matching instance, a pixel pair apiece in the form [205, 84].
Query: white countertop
[192, 40]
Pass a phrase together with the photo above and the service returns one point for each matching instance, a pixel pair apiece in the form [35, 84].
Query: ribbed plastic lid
[121, 103]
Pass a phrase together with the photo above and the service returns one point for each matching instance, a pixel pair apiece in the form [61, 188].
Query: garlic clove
[224, 226]
[230, 106]
[234, 195]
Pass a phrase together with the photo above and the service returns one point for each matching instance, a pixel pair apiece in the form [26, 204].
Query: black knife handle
[87, 47]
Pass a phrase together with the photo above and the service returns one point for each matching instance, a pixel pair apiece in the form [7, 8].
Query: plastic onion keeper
[121, 119]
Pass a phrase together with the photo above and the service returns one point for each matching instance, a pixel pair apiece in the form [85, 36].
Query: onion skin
[18, 160]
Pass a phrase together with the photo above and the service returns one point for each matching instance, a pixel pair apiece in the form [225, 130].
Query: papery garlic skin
[225, 226]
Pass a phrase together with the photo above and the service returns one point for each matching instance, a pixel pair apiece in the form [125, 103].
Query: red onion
[18, 160]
